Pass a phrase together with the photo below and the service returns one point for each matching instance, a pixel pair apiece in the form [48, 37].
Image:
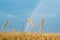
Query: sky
[17, 12]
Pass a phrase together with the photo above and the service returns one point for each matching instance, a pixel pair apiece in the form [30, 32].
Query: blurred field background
[29, 19]
[28, 36]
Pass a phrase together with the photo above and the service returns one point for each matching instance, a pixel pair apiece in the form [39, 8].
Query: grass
[28, 36]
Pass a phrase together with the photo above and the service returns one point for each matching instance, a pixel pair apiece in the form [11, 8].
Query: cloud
[49, 15]
[52, 15]
[45, 15]
[11, 16]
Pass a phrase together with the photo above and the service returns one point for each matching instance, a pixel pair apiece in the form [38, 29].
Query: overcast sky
[17, 12]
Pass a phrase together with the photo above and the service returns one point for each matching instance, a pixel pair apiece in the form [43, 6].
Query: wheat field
[28, 36]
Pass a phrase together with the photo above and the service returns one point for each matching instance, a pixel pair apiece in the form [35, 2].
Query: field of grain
[28, 36]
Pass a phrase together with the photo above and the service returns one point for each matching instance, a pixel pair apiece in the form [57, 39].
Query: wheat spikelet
[41, 24]
[31, 22]
[4, 24]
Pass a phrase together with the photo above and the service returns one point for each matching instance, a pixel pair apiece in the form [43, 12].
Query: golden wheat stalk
[4, 24]
[31, 22]
[13, 29]
[41, 24]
